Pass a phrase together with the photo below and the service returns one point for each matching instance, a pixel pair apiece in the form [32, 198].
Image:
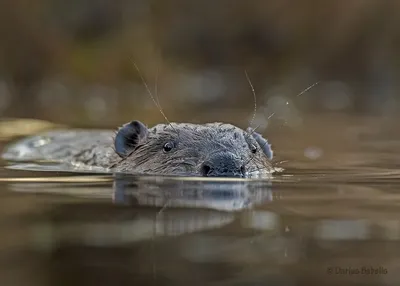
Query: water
[330, 218]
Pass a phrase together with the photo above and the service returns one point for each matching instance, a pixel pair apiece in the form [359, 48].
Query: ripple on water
[337, 211]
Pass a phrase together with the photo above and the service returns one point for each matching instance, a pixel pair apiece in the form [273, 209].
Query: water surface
[330, 218]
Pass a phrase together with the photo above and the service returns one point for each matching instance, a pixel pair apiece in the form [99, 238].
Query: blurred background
[72, 61]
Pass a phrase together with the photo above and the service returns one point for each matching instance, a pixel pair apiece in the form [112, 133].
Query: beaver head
[210, 150]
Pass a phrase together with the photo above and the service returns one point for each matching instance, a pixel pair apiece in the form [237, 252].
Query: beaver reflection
[231, 195]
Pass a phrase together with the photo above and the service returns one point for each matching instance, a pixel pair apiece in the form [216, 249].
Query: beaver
[178, 149]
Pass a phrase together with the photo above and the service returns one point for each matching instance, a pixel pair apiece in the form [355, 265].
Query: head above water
[210, 150]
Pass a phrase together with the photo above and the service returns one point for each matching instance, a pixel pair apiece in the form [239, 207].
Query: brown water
[330, 218]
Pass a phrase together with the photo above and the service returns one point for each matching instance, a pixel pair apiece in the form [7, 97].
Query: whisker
[308, 88]
[255, 97]
[281, 162]
[156, 89]
[260, 169]
[254, 130]
[151, 96]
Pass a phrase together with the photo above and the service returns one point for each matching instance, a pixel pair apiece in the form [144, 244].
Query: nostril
[205, 170]
[243, 170]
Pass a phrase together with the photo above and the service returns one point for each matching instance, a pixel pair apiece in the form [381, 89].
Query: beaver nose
[223, 165]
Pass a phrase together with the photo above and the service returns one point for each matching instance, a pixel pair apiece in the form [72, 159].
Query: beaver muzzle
[223, 164]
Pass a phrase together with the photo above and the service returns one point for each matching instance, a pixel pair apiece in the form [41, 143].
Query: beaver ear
[265, 147]
[128, 137]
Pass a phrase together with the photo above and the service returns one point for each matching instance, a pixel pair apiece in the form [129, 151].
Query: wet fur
[193, 145]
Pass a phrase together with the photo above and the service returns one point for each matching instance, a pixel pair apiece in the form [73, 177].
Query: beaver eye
[253, 148]
[168, 146]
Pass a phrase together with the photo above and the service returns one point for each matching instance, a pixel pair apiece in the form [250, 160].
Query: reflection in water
[199, 204]
[330, 219]
[226, 195]
[218, 194]
[152, 230]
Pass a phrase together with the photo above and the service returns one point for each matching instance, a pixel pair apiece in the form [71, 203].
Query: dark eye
[253, 148]
[168, 146]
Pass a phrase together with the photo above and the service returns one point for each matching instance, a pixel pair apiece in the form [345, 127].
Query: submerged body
[182, 149]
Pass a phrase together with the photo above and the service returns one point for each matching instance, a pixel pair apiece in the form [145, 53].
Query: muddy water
[332, 217]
